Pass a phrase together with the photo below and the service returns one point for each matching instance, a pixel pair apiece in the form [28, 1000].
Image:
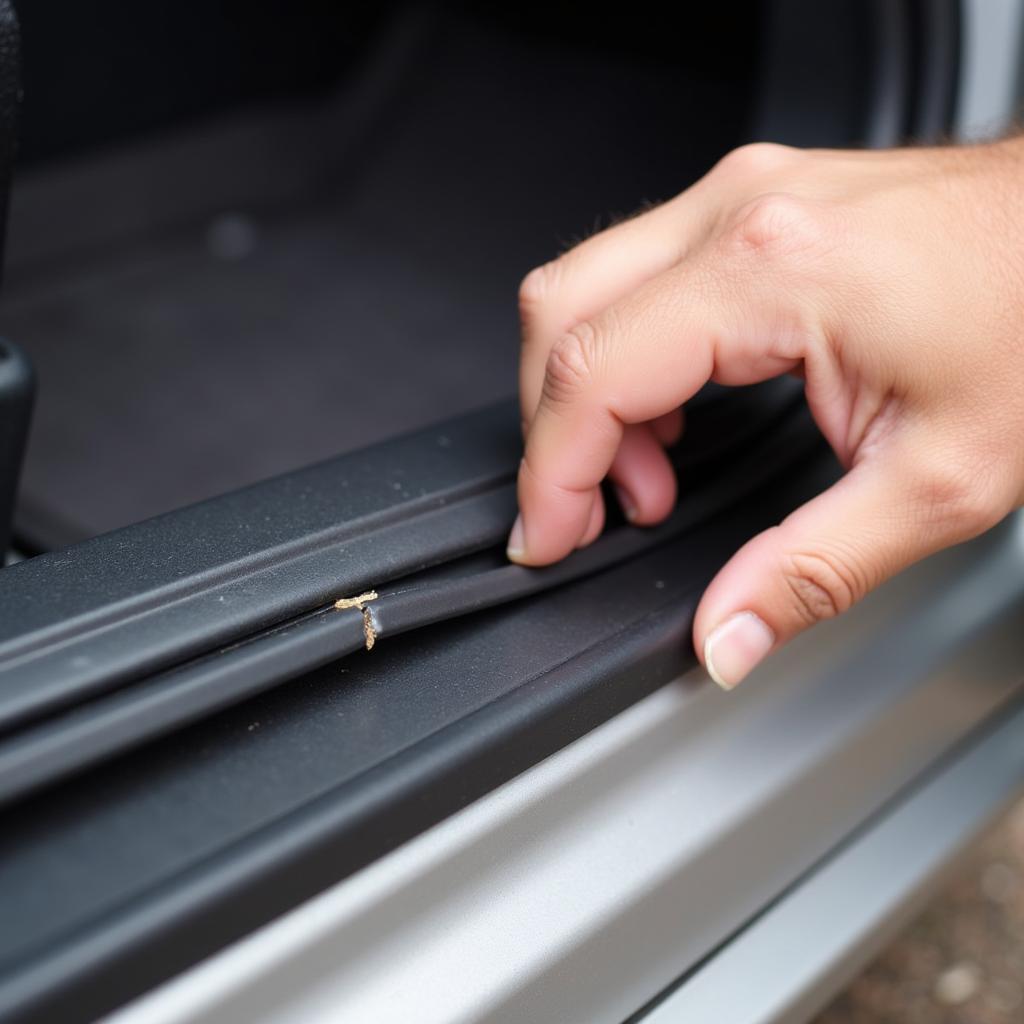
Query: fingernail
[626, 502]
[516, 549]
[735, 647]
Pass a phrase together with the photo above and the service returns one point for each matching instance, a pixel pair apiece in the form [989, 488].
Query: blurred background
[962, 960]
[245, 237]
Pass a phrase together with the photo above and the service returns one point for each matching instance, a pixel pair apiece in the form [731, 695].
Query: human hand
[892, 281]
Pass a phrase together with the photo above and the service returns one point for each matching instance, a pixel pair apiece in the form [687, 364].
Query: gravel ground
[962, 960]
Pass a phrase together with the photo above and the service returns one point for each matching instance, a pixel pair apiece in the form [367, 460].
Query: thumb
[823, 558]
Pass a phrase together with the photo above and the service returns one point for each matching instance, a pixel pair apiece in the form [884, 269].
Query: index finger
[599, 271]
[633, 362]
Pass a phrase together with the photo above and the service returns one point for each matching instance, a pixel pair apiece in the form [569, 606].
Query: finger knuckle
[538, 288]
[821, 585]
[956, 501]
[756, 159]
[570, 365]
[775, 225]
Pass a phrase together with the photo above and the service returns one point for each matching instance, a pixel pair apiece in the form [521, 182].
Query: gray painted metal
[591, 882]
[793, 957]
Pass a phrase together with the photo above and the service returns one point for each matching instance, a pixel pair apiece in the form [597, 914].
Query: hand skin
[893, 282]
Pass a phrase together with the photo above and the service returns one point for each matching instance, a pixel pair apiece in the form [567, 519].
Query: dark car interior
[255, 236]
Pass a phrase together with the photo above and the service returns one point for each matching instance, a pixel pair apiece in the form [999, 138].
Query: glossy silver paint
[800, 951]
[988, 98]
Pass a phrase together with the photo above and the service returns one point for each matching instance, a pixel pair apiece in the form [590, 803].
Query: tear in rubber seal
[361, 602]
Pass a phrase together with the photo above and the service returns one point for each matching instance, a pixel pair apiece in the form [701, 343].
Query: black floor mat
[186, 361]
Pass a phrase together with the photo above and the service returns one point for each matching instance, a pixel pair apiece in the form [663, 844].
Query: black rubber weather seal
[109, 725]
[88, 620]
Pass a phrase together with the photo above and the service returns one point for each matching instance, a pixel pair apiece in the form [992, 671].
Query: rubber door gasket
[107, 726]
[89, 620]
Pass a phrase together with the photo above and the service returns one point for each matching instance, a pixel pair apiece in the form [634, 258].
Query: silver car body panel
[802, 949]
[989, 92]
